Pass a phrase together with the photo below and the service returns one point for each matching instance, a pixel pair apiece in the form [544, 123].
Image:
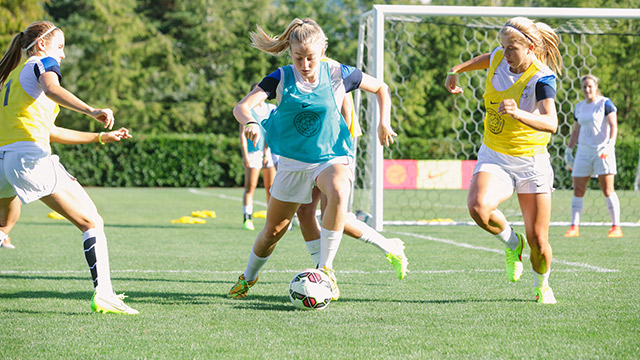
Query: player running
[520, 116]
[31, 95]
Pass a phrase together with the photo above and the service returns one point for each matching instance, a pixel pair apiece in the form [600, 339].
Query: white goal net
[412, 48]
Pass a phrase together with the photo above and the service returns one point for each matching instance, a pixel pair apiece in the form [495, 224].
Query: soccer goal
[412, 48]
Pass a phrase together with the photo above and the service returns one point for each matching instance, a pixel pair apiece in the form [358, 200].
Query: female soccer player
[595, 132]
[31, 95]
[520, 116]
[310, 136]
[10, 214]
[255, 158]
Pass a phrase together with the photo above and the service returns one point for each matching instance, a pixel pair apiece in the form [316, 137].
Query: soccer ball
[310, 290]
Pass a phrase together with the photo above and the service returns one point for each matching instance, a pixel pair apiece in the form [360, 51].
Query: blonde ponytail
[544, 39]
[298, 32]
[549, 52]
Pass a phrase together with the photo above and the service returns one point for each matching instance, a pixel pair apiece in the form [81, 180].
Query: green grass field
[455, 303]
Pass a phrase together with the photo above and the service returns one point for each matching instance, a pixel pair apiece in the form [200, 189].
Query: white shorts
[295, 184]
[32, 175]
[256, 159]
[527, 174]
[588, 163]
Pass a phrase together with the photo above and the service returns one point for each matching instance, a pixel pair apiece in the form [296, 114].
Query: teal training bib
[308, 127]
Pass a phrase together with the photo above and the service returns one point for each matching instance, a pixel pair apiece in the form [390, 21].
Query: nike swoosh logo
[493, 103]
[305, 105]
[433, 176]
[113, 306]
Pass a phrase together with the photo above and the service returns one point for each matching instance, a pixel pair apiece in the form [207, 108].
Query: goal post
[390, 42]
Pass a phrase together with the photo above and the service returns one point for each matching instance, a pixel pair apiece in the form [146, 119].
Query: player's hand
[252, 132]
[509, 107]
[116, 135]
[568, 158]
[105, 116]
[452, 84]
[386, 135]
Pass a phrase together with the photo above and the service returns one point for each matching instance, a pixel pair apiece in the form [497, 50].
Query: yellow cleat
[544, 295]
[335, 290]
[513, 259]
[248, 225]
[574, 231]
[240, 289]
[111, 304]
[615, 232]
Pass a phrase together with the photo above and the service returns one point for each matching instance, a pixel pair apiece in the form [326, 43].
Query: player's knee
[306, 212]
[338, 194]
[90, 222]
[479, 211]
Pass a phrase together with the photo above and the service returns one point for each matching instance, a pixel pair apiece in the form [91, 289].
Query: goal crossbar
[372, 32]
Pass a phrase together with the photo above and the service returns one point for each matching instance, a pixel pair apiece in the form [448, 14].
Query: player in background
[311, 138]
[255, 158]
[393, 248]
[10, 213]
[520, 117]
[595, 130]
[31, 95]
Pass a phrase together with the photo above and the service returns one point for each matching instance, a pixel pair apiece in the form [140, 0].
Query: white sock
[248, 210]
[329, 244]
[576, 209]
[540, 280]
[254, 265]
[314, 250]
[509, 237]
[3, 236]
[97, 256]
[371, 236]
[613, 204]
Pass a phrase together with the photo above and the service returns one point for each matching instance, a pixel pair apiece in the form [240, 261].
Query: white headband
[40, 37]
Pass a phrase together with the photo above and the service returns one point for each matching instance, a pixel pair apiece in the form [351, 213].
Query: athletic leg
[251, 176]
[536, 212]
[9, 214]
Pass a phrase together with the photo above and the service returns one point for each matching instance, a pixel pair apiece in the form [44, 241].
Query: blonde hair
[592, 78]
[544, 39]
[32, 33]
[298, 32]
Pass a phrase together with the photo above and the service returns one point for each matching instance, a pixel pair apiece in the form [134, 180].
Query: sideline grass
[454, 303]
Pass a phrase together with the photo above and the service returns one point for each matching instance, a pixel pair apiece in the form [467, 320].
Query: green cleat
[111, 304]
[240, 289]
[514, 265]
[335, 291]
[399, 260]
[544, 295]
[248, 225]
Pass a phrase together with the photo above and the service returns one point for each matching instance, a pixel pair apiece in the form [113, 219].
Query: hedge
[174, 160]
[184, 160]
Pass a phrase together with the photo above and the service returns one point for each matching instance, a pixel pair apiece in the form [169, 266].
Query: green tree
[116, 59]
[16, 15]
